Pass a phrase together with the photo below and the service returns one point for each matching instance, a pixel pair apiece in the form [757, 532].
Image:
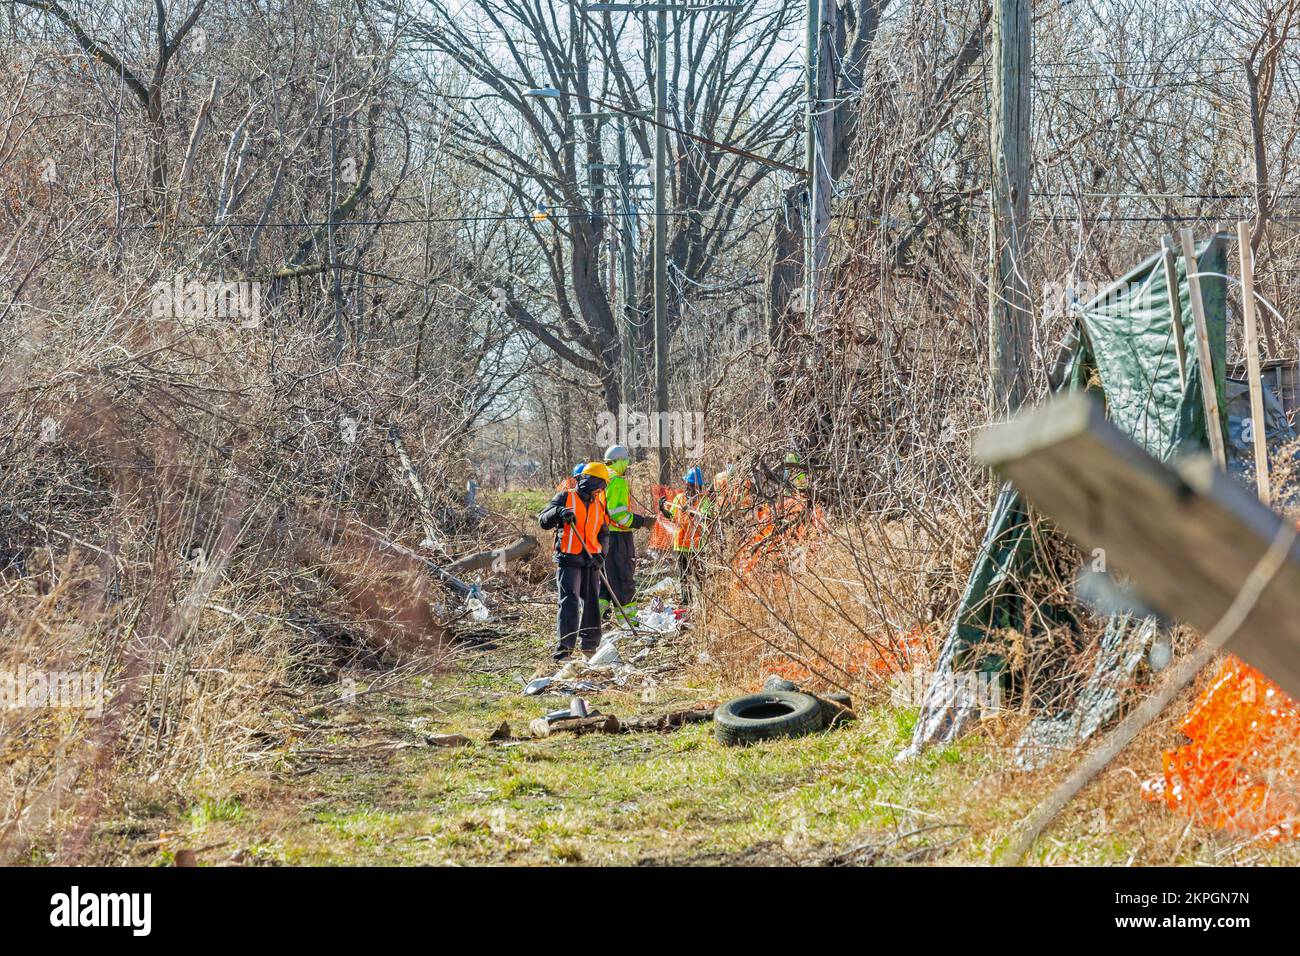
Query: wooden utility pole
[1251, 343]
[1175, 307]
[661, 11]
[819, 132]
[628, 226]
[1209, 383]
[1009, 301]
[661, 240]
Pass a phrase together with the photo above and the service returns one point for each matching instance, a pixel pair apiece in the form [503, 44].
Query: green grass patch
[210, 810]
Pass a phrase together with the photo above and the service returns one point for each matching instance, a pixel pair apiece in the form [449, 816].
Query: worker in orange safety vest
[580, 520]
[689, 510]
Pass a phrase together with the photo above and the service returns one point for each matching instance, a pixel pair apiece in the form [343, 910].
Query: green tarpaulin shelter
[1124, 348]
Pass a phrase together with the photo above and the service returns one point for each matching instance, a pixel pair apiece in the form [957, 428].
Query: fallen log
[666, 722]
[521, 547]
[598, 724]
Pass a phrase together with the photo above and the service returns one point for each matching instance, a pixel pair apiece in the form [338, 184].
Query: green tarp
[1126, 351]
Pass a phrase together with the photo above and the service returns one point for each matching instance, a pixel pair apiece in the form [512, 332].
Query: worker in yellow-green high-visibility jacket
[620, 548]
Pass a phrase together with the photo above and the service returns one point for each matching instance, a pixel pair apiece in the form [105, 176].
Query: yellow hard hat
[599, 469]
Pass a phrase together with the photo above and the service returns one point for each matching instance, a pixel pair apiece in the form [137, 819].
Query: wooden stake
[1209, 390]
[1252, 361]
[1175, 308]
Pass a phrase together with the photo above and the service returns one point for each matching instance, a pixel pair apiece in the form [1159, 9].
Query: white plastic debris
[668, 586]
[538, 685]
[477, 609]
[661, 622]
[605, 655]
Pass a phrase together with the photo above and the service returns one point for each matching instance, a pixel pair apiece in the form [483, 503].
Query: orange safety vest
[590, 519]
[690, 527]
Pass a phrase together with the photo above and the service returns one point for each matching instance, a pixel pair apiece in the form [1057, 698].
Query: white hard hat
[616, 453]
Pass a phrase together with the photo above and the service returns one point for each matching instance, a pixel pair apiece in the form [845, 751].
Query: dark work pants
[690, 570]
[620, 563]
[579, 611]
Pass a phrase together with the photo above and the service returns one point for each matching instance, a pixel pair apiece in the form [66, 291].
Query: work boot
[562, 654]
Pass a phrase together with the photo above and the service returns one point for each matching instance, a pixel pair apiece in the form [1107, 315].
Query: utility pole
[661, 11]
[628, 225]
[819, 131]
[1009, 301]
[661, 241]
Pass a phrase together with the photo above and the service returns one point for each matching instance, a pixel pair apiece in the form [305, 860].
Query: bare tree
[731, 83]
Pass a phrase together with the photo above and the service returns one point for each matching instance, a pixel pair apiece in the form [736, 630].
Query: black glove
[598, 561]
[663, 508]
[567, 516]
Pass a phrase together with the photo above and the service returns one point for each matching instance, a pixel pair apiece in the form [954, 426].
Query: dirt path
[359, 783]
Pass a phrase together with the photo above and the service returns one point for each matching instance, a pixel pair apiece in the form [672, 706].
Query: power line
[420, 220]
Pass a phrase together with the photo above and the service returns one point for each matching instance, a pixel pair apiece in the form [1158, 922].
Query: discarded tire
[778, 713]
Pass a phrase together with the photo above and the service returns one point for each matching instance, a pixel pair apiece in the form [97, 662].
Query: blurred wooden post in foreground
[1196, 544]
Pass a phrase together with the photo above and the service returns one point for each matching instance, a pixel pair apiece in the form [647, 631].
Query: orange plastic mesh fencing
[1239, 772]
[784, 534]
[878, 657]
[663, 531]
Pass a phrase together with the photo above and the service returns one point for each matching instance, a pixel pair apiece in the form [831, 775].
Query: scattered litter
[607, 653]
[661, 622]
[578, 707]
[476, 609]
[502, 732]
[537, 685]
[663, 586]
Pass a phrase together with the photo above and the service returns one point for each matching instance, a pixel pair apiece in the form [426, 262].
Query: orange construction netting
[1239, 772]
[663, 531]
[864, 660]
[786, 531]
